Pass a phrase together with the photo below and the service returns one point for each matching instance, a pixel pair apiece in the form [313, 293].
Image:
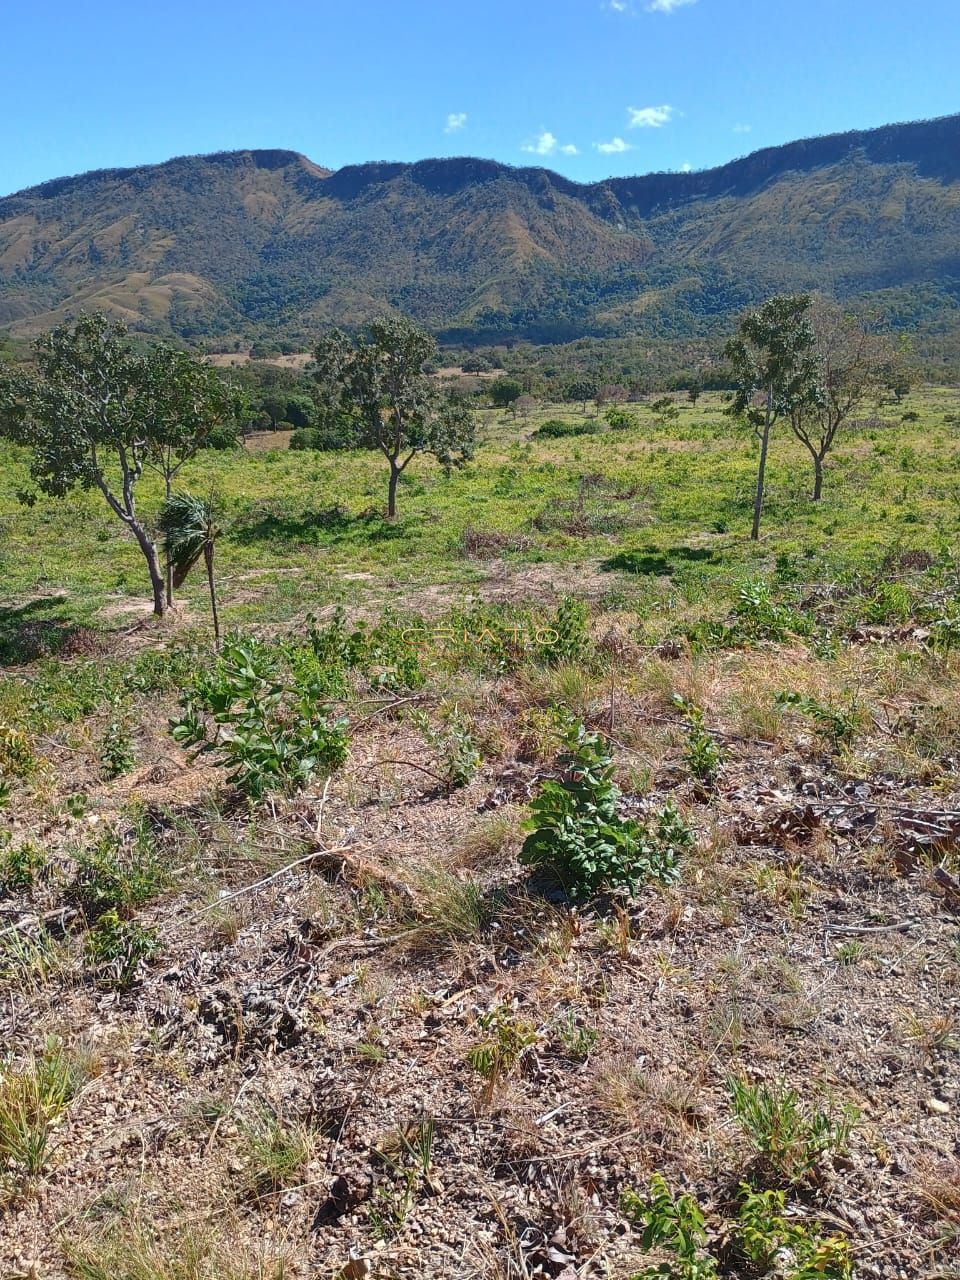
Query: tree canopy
[378, 382]
[95, 411]
[775, 370]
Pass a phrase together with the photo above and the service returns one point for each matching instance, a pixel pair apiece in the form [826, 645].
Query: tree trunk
[211, 583]
[762, 469]
[392, 491]
[817, 478]
[153, 565]
[168, 567]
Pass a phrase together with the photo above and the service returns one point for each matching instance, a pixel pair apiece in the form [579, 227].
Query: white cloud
[667, 6]
[613, 147]
[455, 121]
[650, 117]
[652, 6]
[547, 144]
[686, 167]
[742, 128]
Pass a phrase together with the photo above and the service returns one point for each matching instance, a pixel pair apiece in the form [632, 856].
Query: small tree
[773, 363]
[95, 412]
[504, 392]
[190, 531]
[378, 381]
[301, 410]
[524, 406]
[476, 364]
[851, 366]
[665, 410]
[610, 393]
[581, 390]
[619, 419]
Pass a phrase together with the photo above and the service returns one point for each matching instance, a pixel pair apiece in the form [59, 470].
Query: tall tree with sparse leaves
[775, 370]
[379, 383]
[851, 367]
[95, 412]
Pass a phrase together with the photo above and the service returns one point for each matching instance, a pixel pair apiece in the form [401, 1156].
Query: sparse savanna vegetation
[500, 866]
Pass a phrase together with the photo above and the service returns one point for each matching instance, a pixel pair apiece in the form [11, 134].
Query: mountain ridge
[877, 141]
[236, 244]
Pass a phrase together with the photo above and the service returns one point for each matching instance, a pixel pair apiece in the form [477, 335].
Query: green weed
[33, 1096]
[21, 865]
[506, 1038]
[789, 1136]
[579, 836]
[760, 1238]
[117, 948]
[262, 712]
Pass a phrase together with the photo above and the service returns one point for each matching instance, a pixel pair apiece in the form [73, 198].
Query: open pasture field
[670, 504]
[298, 1005]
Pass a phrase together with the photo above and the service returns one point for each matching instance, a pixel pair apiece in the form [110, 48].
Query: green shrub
[457, 753]
[673, 1225]
[759, 1241]
[223, 438]
[65, 692]
[500, 638]
[16, 759]
[506, 1038]
[566, 636]
[761, 617]
[703, 755]
[618, 419]
[262, 712]
[838, 725]
[117, 874]
[891, 602]
[162, 670]
[326, 438]
[116, 746]
[20, 866]
[557, 428]
[579, 836]
[304, 438]
[945, 629]
[385, 653]
[665, 410]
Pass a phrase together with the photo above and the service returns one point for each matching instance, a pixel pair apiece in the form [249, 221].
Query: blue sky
[587, 87]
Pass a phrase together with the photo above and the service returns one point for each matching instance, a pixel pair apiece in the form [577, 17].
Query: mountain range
[227, 248]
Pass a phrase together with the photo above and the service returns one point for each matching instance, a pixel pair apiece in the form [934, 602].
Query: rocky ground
[293, 1084]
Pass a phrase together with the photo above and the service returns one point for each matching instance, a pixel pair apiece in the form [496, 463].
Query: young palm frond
[189, 527]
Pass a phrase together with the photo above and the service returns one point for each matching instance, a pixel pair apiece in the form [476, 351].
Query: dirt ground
[808, 941]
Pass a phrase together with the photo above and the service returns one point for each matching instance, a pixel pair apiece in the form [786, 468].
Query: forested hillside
[231, 247]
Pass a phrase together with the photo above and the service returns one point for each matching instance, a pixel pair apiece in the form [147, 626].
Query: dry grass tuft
[137, 1250]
